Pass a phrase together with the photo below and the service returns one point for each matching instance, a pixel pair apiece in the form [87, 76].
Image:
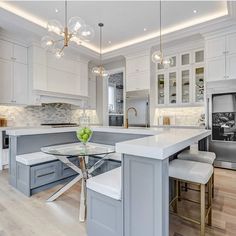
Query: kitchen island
[145, 161]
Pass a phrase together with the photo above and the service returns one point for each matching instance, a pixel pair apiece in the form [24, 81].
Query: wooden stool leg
[213, 184]
[203, 210]
[210, 201]
[175, 204]
[179, 191]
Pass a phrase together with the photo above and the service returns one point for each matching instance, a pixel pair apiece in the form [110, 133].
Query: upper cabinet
[138, 72]
[182, 83]
[221, 57]
[14, 73]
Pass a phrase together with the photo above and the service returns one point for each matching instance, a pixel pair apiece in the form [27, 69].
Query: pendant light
[158, 56]
[100, 70]
[74, 30]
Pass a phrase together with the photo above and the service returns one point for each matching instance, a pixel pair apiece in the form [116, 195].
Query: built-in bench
[104, 204]
[38, 171]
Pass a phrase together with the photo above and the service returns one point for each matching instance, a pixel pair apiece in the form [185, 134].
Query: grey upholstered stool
[196, 173]
[199, 156]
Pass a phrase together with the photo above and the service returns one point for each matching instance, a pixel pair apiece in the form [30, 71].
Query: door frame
[105, 94]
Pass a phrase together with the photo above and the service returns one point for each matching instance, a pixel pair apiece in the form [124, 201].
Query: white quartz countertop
[49, 130]
[164, 144]
[160, 144]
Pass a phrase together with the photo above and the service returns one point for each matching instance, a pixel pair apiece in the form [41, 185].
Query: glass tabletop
[78, 149]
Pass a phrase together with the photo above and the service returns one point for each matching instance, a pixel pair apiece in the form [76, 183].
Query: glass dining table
[64, 152]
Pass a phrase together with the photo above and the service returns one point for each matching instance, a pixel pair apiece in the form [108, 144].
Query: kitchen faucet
[127, 120]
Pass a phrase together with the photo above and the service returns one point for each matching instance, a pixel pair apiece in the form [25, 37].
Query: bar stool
[195, 173]
[199, 156]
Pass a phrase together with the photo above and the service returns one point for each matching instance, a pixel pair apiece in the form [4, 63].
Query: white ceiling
[124, 21]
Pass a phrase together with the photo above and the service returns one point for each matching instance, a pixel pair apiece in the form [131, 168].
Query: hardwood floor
[24, 216]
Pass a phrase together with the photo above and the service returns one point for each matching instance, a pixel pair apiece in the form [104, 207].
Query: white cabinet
[20, 83]
[92, 93]
[5, 81]
[182, 83]
[221, 57]
[138, 72]
[215, 47]
[215, 69]
[13, 73]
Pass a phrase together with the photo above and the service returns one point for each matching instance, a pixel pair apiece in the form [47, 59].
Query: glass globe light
[167, 62]
[55, 26]
[86, 33]
[105, 73]
[74, 24]
[96, 70]
[157, 57]
[47, 42]
[58, 53]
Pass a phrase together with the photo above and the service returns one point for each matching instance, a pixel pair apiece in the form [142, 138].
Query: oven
[5, 140]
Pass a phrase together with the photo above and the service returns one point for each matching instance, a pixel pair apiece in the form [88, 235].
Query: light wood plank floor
[24, 216]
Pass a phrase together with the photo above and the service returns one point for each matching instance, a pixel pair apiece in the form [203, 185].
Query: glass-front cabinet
[172, 87]
[161, 89]
[199, 84]
[185, 86]
[183, 81]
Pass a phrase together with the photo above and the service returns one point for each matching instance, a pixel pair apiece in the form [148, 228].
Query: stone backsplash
[48, 113]
[179, 116]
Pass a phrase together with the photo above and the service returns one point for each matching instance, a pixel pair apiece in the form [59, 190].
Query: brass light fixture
[100, 70]
[158, 56]
[74, 30]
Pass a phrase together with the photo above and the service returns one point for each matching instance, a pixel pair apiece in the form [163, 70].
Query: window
[111, 97]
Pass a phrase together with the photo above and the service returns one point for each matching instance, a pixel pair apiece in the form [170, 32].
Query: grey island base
[144, 170]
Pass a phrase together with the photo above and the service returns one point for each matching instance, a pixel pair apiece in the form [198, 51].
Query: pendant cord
[100, 45]
[160, 29]
[65, 13]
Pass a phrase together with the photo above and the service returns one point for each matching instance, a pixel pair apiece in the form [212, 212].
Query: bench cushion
[190, 171]
[34, 158]
[108, 183]
[199, 156]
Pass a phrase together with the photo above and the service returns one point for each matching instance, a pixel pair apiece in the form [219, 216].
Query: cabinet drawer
[44, 174]
[66, 170]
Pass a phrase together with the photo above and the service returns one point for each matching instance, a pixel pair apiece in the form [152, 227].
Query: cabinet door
[82, 82]
[131, 83]
[231, 66]
[137, 64]
[20, 54]
[92, 93]
[20, 83]
[6, 50]
[185, 76]
[5, 81]
[161, 82]
[199, 56]
[216, 69]
[231, 43]
[199, 80]
[172, 82]
[185, 59]
[215, 47]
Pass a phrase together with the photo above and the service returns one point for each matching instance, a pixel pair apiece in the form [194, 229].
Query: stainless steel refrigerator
[221, 119]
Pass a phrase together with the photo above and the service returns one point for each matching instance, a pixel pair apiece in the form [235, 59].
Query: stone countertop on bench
[160, 143]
